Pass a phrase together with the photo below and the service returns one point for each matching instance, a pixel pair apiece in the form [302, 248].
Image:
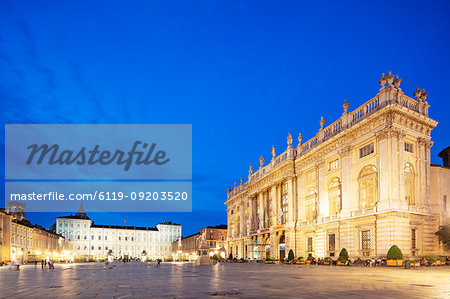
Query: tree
[394, 253]
[343, 255]
[230, 257]
[444, 235]
[291, 255]
[144, 253]
[110, 252]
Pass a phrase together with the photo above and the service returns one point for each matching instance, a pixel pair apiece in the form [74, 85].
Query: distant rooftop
[169, 223]
[196, 234]
[124, 227]
[220, 226]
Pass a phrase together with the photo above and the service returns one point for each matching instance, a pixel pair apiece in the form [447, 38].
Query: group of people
[44, 264]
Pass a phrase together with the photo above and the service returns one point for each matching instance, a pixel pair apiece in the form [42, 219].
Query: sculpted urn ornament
[250, 170]
[261, 161]
[346, 105]
[389, 79]
[322, 122]
[397, 82]
[242, 180]
[289, 140]
[300, 138]
[420, 94]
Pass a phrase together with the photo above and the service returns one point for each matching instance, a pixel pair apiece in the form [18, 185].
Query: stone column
[300, 205]
[241, 216]
[384, 175]
[228, 224]
[322, 191]
[276, 198]
[346, 181]
[290, 200]
[274, 211]
[261, 209]
[428, 145]
[250, 214]
[396, 170]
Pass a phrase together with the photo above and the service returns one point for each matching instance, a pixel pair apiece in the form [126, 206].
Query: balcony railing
[386, 96]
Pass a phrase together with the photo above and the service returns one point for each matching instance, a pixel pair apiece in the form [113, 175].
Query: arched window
[284, 203]
[334, 196]
[409, 184]
[368, 187]
[311, 205]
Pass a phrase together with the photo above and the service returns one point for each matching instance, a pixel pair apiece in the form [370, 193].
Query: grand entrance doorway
[282, 247]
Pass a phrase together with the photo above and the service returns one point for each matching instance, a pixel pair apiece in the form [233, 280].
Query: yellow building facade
[5, 235]
[362, 183]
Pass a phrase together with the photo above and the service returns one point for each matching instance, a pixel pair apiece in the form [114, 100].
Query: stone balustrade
[388, 94]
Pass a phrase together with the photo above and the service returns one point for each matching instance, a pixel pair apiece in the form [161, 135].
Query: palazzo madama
[363, 183]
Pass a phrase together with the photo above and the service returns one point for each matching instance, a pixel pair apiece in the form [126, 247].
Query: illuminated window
[409, 185]
[413, 239]
[310, 245]
[334, 196]
[366, 150]
[284, 203]
[311, 205]
[366, 241]
[368, 187]
[333, 164]
[332, 242]
[408, 147]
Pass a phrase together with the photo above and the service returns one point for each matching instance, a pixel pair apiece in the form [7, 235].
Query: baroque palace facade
[95, 241]
[362, 183]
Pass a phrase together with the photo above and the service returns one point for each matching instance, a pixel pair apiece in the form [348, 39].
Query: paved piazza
[184, 280]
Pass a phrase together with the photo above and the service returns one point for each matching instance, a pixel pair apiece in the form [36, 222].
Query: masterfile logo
[135, 168]
[82, 151]
[53, 155]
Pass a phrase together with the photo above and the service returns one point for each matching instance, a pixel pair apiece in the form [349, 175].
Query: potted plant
[290, 256]
[394, 256]
[327, 261]
[300, 260]
[309, 259]
[433, 260]
[343, 257]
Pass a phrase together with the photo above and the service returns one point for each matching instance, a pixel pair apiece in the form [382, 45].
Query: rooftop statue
[289, 140]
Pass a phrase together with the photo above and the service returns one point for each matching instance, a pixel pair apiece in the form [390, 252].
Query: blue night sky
[243, 73]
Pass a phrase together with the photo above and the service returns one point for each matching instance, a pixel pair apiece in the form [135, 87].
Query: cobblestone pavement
[184, 280]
